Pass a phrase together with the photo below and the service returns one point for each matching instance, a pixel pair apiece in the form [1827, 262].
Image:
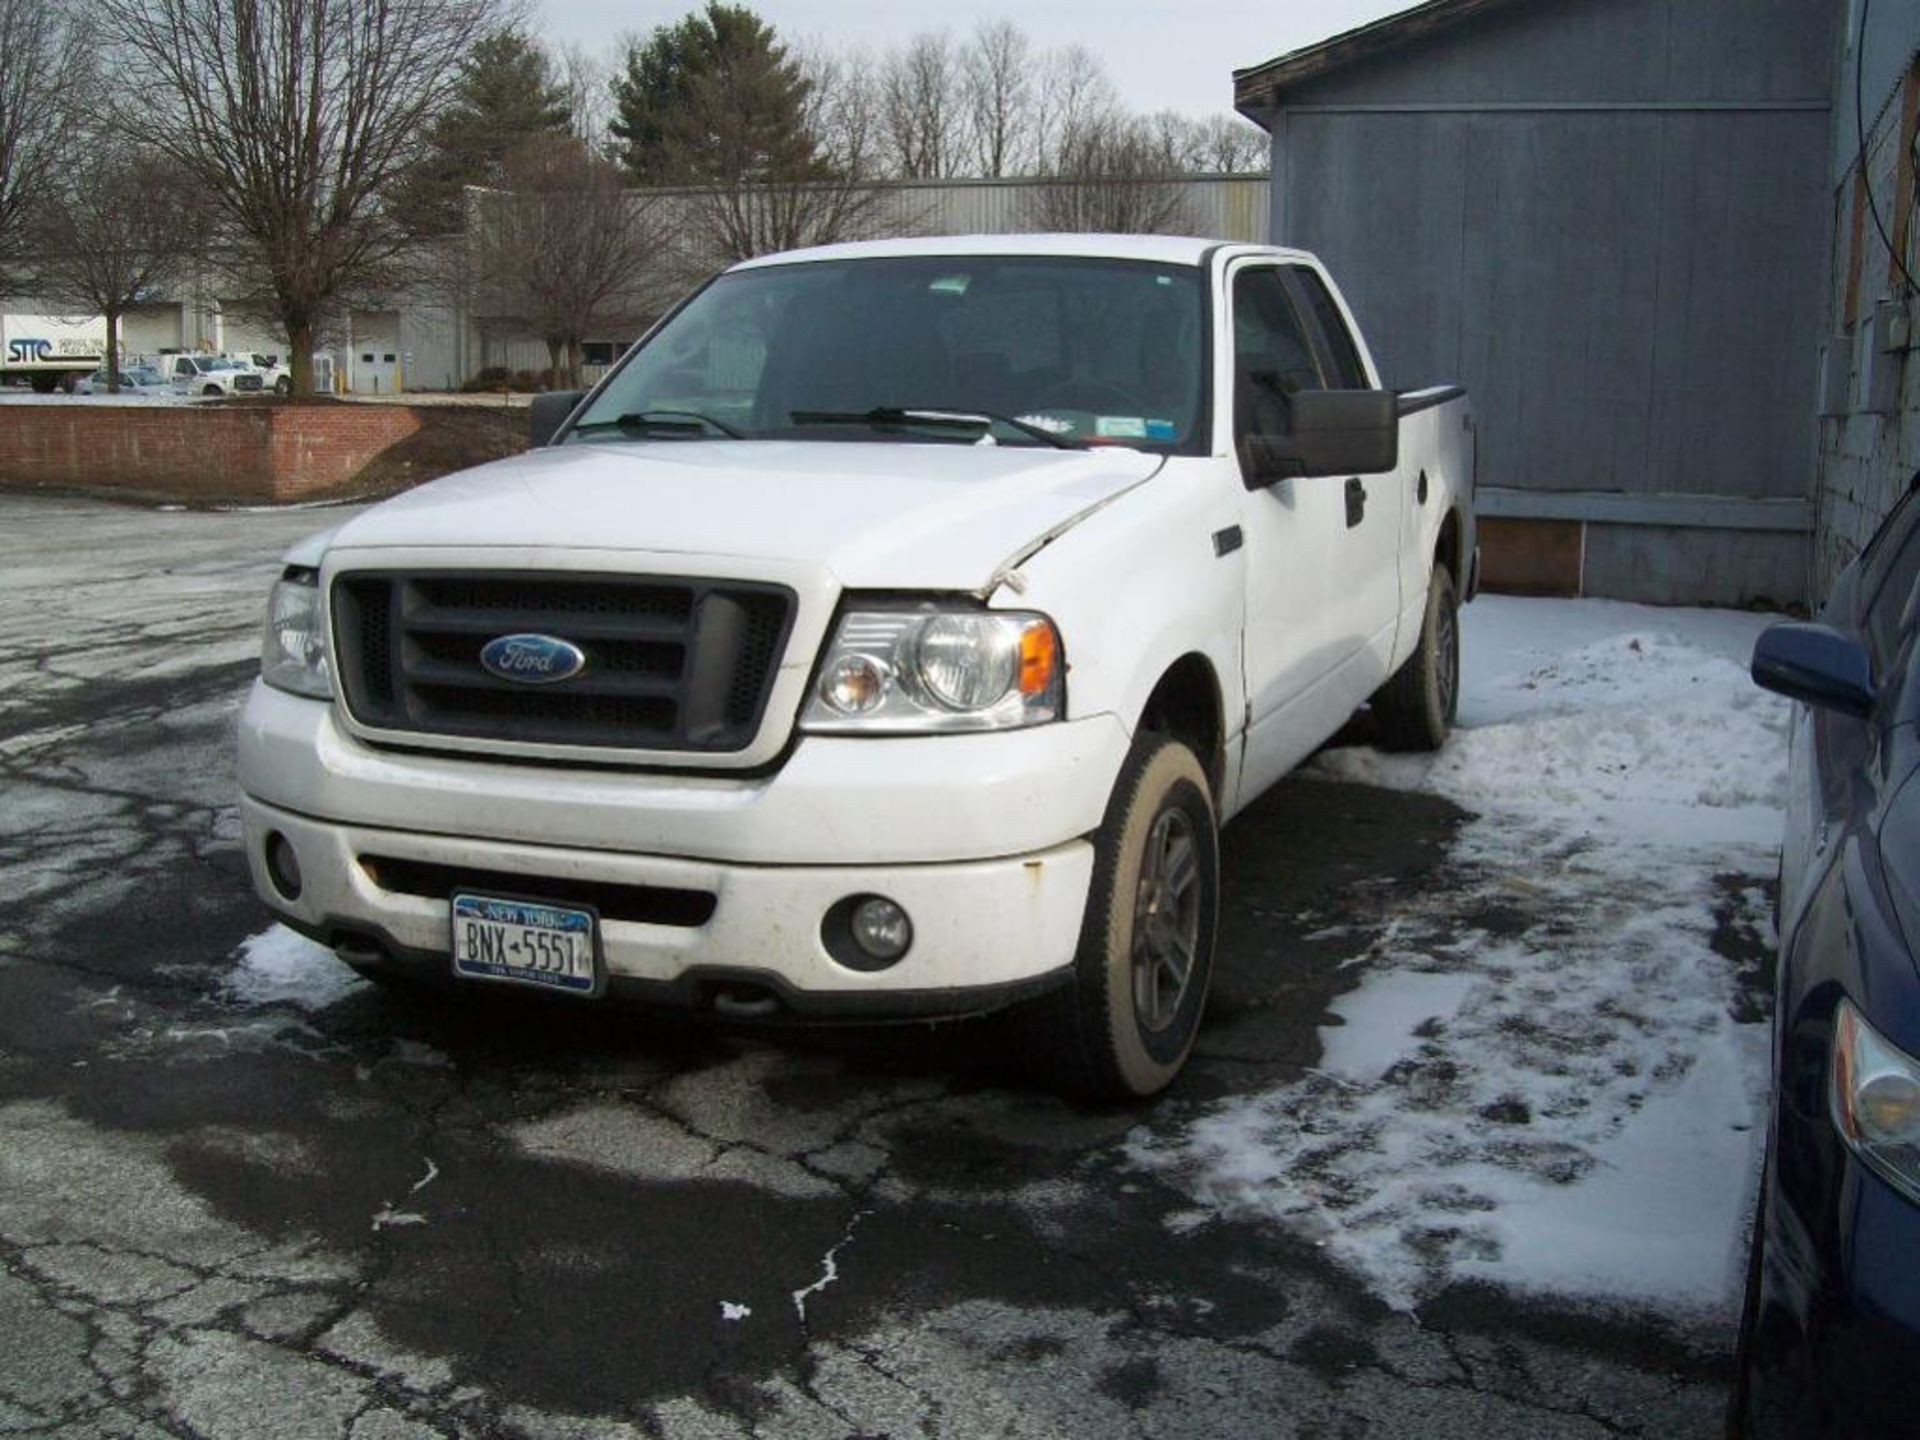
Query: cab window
[1272, 357]
[1341, 355]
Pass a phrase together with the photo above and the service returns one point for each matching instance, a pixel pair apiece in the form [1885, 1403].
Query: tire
[1416, 707]
[212, 390]
[42, 384]
[283, 386]
[1123, 1027]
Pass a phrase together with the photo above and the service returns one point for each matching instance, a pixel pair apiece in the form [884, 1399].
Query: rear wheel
[1124, 1026]
[1415, 708]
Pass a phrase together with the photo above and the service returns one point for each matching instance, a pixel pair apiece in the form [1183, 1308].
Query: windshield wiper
[888, 415]
[662, 422]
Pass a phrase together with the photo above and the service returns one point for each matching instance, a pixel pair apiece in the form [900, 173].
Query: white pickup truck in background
[887, 637]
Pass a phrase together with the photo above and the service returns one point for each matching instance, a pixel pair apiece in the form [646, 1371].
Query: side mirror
[1334, 432]
[1816, 665]
[548, 413]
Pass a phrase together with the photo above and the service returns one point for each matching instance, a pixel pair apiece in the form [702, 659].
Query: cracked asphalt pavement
[390, 1216]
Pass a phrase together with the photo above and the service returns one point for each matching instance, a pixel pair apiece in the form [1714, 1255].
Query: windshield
[1085, 351]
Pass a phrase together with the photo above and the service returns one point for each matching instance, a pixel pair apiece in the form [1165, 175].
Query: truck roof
[1158, 249]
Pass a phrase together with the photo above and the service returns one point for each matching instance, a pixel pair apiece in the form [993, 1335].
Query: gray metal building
[1610, 219]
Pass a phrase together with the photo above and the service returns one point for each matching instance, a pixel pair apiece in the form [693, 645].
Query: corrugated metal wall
[1227, 207]
[1608, 219]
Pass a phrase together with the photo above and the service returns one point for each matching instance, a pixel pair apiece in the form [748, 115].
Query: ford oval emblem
[532, 659]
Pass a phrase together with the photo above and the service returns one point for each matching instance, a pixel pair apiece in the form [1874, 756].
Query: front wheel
[1124, 1026]
[212, 390]
[1415, 708]
[283, 386]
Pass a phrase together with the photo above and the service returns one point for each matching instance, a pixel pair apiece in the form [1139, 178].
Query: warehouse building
[1610, 219]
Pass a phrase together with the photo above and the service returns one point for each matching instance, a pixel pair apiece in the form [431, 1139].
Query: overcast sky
[1162, 56]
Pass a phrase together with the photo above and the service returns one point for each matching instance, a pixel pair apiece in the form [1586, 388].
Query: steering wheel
[1083, 393]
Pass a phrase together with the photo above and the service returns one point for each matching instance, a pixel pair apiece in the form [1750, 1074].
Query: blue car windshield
[1040, 349]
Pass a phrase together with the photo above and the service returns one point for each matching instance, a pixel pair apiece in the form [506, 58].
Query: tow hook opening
[744, 1002]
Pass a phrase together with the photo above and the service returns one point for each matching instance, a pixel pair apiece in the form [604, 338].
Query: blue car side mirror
[1815, 664]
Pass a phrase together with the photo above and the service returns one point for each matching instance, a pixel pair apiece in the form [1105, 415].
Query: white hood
[877, 515]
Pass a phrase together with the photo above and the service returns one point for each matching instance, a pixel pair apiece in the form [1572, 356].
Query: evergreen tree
[507, 92]
[714, 99]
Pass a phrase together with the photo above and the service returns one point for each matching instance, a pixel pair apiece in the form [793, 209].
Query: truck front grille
[671, 664]
[248, 382]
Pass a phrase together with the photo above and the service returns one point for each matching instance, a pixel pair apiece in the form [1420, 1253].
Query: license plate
[526, 942]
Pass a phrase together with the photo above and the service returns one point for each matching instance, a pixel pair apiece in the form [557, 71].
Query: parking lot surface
[243, 1193]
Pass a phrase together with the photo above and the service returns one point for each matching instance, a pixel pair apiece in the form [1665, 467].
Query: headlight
[917, 671]
[294, 656]
[1876, 1100]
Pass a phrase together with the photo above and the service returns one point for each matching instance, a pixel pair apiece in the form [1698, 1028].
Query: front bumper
[714, 887]
[985, 932]
[1839, 1303]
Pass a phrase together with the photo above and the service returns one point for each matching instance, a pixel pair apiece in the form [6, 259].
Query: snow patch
[1539, 1081]
[1384, 1019]
[281, 967]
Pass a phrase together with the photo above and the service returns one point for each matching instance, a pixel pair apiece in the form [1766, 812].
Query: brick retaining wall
[196, 453]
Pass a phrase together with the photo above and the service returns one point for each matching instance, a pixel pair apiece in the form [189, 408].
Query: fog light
[866, 932]
[283, 866]
[881, 928]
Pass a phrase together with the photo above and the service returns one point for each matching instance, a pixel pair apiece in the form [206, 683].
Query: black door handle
[1356, 502]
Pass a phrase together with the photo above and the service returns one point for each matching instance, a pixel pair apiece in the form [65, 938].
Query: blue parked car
[1830, 1336]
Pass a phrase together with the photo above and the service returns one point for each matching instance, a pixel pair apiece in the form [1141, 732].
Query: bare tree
[922, 109]
[842, 111]
[1000, 100]
[1076, 99]
[753, 199]
[121, 225]
[1112, 177]
[44, 70]
[299, 118]
[585, 77]
[564, 250]
[738, 219]
[1232, 146]
[1218, 145]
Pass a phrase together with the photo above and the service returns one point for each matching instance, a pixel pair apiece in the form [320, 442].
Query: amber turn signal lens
[1039, 657]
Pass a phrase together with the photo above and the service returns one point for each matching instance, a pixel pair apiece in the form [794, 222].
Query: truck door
[1322, 553]
[1383, 502]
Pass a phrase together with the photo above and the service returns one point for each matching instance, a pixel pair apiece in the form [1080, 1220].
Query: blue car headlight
[1876, 1100]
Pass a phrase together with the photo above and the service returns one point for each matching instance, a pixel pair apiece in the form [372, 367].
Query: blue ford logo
[532, 659]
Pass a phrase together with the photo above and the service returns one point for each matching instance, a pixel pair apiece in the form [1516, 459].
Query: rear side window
[1344, 370]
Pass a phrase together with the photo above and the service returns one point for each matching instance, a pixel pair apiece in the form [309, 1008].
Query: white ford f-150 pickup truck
[886, 637]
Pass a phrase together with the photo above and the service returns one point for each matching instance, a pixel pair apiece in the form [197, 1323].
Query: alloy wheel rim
[1449, 667]
[1166, 920]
